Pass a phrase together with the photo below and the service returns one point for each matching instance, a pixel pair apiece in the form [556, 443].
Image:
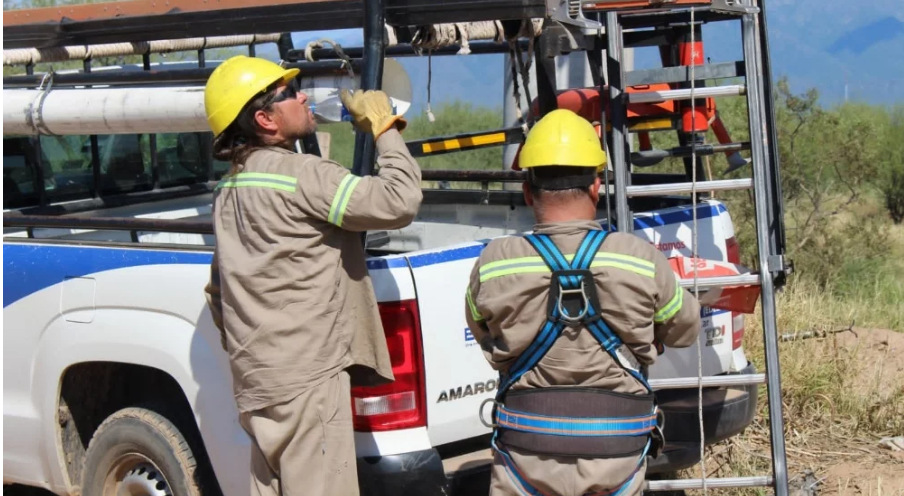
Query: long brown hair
[240, 139]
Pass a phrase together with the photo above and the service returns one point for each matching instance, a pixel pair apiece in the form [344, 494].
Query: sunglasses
[290, 92]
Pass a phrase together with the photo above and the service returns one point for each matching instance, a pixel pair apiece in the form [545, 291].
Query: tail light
[401, 404]
[737, 330]
[733, 253]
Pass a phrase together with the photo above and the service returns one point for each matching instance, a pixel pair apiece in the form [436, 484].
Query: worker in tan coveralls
[289, 287]
[571, 316]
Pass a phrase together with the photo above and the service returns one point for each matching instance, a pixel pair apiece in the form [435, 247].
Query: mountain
[845, 49]
[862, 39]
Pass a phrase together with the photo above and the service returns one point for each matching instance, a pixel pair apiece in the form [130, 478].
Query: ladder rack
[596, 27]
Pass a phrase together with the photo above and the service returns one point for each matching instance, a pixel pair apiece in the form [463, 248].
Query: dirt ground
[856, 465]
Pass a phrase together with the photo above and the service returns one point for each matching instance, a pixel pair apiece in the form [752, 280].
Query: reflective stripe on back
[259, 180]
[527, 265]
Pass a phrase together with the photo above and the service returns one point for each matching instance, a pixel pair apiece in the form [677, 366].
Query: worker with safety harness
[289, 287]
[571, 316]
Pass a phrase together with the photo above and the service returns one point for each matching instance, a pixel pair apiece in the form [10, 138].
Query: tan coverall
[291, 295]
[641, 302]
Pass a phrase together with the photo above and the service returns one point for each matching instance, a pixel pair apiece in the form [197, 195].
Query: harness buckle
[657, 436]
[491, 425]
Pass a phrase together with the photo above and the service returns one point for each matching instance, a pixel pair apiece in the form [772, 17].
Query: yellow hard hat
[562, 137]
[236, 82]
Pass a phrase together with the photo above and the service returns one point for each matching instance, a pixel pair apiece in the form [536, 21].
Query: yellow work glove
[371, 111]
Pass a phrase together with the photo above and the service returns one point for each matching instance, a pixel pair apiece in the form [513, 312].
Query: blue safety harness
[534, 422]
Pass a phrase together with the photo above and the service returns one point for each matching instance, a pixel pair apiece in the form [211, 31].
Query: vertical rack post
[618, 117]
[95, 148]
[776, 213]
[371, 79]
[546, 77]
[152, 137]
[761, 171]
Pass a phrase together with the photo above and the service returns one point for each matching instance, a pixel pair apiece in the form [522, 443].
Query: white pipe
[146, 110]
[104, 111]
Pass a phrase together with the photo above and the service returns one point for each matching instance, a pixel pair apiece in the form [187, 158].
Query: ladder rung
[733, 380]
[682, 484]
[680, 188]
[706, 283]
[685, 94]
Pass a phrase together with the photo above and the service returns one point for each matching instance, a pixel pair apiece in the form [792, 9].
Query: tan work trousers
[566, 476]
[305, 446]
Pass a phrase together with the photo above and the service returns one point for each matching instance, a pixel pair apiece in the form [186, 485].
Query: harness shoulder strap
[552, 328]
[612, 343]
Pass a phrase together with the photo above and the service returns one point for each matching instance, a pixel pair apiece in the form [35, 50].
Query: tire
[138, 452]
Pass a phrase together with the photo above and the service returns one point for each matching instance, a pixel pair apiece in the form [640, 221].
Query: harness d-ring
[480, 413]
[563, 314]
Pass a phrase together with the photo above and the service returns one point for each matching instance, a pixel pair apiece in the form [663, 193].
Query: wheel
[138, 452]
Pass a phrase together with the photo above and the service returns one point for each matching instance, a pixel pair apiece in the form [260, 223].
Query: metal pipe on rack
[685, 94]
[761, 178]
[686, 187]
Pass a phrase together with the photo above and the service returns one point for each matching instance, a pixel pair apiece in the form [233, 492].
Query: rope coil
[346, 61]
[25, 56]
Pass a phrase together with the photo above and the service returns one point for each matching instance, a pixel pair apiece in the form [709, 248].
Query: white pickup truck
[113, 370]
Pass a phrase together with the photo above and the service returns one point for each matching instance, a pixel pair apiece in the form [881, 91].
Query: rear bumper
[726, 413]
[417, 472]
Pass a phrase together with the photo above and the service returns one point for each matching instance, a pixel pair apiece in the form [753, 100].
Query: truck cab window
[125, 163]
[19, 174]
[67, 161]
[180, 159]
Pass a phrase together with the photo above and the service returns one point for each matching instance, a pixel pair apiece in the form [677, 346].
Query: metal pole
[730, 380]
[371, 79]
[777, 211]
[618, 117]
[686, 188]
[679, 485]
[758, 142]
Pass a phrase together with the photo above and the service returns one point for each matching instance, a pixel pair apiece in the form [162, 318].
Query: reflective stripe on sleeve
[340, 201]
[672, 307]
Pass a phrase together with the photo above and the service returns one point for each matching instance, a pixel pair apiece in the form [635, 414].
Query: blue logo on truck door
[469, 338]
